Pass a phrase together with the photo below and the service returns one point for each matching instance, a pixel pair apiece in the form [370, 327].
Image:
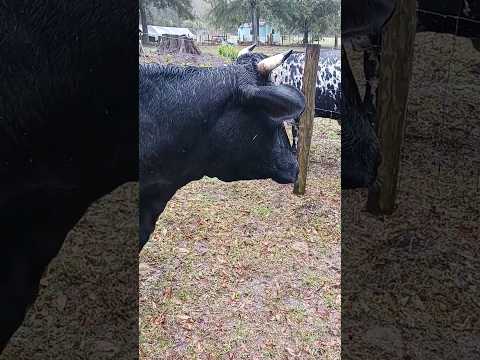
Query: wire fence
[461, 26]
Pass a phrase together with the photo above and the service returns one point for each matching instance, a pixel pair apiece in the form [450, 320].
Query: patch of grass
[308, 339]
[163, 343]
[241, 331]
[228, 51]
[184, 295]
[330, 300]
[168, 59]
[312, 280]
[270, 354]
[298, 315]
[262, 211]
[333, 134]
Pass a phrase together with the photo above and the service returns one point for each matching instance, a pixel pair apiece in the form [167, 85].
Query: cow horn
[267, 65]
[246, 50]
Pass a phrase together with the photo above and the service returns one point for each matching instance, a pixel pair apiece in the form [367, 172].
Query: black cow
[68, 129]
[224, 122]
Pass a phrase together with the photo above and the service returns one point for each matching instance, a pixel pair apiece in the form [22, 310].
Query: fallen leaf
[159, 320]
[183, 317]
[290, 351]
[300, 246]
[167, 294]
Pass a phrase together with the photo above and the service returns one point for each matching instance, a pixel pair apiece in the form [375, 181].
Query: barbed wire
[328, 113]
[439, 135]
[448, 16]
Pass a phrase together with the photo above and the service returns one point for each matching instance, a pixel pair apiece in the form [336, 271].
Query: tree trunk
[177, 44]
[143, 19]
[253, 9]
[258, 22]
[305, 33]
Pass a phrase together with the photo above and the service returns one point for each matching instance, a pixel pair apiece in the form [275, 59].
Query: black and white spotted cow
[328, 83]
[329, 78]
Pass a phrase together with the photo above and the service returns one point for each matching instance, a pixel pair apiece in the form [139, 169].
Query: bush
[228, 51]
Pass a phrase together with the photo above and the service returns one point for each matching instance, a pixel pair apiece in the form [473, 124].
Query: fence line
[448, 16]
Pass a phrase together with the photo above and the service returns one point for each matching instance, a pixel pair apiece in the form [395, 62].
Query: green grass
[262, 211]
[312, 280]
[228, 51]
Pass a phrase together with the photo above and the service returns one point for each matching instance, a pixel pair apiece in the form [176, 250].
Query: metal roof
[154, 30]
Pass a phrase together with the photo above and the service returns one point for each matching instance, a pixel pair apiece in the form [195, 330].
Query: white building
[154, 32]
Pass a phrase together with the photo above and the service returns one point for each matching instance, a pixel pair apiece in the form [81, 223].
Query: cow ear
[279, 103]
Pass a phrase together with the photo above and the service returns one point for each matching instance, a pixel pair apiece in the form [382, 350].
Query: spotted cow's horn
[246, 50]
[267, 65]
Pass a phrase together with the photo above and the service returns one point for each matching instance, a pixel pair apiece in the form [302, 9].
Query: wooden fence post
[306, 120]
[395, 73]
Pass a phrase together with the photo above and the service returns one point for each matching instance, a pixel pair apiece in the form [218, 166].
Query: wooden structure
[395, 72]
[177, 44]
[306, 120]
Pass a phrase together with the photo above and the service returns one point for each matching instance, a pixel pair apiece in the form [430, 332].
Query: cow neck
[205, 94]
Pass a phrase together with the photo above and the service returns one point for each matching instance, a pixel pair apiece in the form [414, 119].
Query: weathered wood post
[395, 73]
[306, 120]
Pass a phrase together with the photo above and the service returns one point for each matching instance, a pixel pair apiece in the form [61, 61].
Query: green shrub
[228, 51]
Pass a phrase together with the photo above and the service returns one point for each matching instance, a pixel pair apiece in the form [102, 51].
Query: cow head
[250, 135]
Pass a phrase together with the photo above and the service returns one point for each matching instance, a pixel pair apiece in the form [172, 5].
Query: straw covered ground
[410, 280]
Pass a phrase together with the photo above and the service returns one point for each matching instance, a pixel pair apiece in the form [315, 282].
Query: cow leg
[295, 131]
[153, 199]
[476, 43]
[34, 226]
[20, 278]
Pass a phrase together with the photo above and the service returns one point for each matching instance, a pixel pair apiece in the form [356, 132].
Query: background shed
[265, 29]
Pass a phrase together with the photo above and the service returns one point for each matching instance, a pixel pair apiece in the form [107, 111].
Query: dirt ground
[210, 56]
[247, 270]
[410, 280]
